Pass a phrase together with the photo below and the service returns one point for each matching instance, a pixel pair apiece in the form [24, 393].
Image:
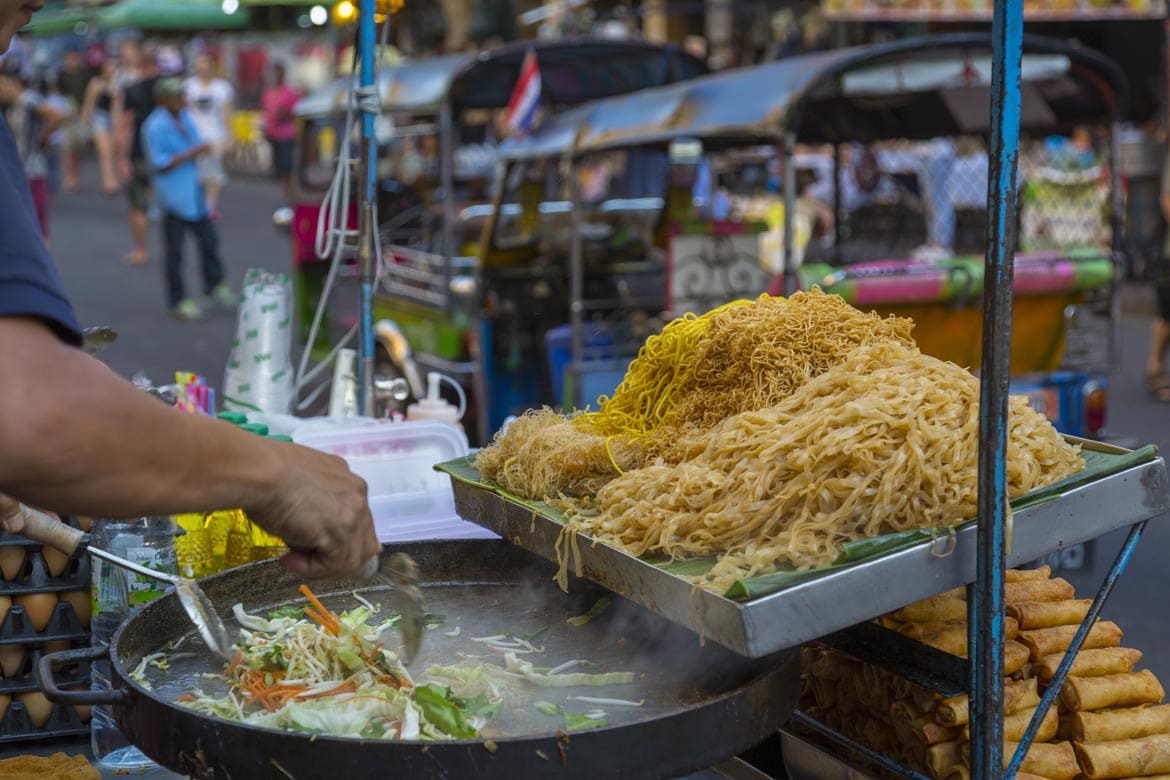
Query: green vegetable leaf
[594, 612]
[274, 658]
[440, 711]
[547, 708]
[480, 704]
[576, 721]
[374, 730]
[349, 658]
[289, 611]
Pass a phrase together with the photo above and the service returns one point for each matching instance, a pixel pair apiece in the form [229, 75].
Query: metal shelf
[815, 608]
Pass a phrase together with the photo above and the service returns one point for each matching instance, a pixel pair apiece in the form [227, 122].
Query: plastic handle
[53, 692]
[44, 529]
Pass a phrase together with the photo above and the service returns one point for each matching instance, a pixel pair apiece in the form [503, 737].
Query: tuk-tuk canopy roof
[914, 88]
[571, 72]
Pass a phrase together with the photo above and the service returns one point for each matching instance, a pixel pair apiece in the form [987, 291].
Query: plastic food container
[408, 498]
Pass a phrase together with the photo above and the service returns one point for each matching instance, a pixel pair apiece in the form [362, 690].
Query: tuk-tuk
[437, 138]
[841, 169]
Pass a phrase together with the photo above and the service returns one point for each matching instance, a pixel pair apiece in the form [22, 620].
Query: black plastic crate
[64, 624]
[34, 576]
[16, 726]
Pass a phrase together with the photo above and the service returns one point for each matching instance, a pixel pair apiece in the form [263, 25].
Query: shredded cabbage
[294, 674]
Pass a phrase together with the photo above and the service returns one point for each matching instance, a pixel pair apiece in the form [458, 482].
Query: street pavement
[90, 236]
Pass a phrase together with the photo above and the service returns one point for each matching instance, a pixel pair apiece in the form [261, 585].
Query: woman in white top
[209, 100]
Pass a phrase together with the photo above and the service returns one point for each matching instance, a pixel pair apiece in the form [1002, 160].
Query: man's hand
[319, 508]
[10, 518]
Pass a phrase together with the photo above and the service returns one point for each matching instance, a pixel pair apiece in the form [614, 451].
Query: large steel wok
[703, 704]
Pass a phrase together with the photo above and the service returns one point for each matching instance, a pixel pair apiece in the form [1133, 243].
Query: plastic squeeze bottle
[434, 407]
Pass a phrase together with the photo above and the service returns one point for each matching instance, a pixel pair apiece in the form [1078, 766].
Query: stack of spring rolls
[1108, 723]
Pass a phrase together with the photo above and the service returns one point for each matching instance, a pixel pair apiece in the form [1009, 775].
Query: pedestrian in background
[172, 144]
[73, 79]
[95, 114]
[32, 122]
[132, 103]
[55, 147]
[279, 102]
[209, 99]
[1157, 383]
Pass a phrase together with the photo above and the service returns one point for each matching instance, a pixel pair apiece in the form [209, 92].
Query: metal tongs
[42, 528]
[400, 573]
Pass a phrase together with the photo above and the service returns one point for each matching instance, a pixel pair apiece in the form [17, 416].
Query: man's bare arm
[76, 438]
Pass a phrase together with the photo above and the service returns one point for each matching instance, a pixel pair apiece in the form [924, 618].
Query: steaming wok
[702, 704]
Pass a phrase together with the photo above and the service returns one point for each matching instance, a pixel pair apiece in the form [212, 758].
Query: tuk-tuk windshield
[622, 194]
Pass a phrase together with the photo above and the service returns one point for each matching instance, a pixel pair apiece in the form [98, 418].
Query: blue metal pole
[986, 603]
[367, 104]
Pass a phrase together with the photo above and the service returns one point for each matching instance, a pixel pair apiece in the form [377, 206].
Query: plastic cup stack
[259, 374]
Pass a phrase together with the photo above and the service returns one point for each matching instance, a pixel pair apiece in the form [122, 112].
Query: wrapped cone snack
[1113, 725]
[1112, 690]
[1091, 663]
[1125, 758]
[1046, 614]
[1046, 641]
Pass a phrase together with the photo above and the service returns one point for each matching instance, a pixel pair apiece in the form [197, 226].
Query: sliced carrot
[325, 617]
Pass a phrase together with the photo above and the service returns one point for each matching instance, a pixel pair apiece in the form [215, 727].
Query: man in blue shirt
[172, 146]
[77, 438]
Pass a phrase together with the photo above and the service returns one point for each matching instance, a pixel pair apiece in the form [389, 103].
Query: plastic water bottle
[117, 593]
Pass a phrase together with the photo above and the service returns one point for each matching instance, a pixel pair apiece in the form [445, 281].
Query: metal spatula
[44, 529]
[400, 572]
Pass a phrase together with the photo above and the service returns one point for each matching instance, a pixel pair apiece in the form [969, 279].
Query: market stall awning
[58, 18]
[913, 88]
[571, 71]
[171, 15]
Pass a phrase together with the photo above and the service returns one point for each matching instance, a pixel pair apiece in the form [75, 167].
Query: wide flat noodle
[886, 441]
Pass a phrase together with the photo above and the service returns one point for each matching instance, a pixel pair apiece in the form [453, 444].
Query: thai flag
[525, 97]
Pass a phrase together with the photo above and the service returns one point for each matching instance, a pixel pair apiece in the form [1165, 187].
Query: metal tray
[844, 597]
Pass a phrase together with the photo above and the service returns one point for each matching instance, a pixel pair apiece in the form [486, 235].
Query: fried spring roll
[943, 756]
[1038, 590]
[1046, 614]
[1124, 758]
[958, 772]
[930, 732]
[1091, 663]
[1017, 695]
[951, 605]
[1054, 760]
[1015, 655]
[1016, 724]
[1114, 725]
[1023, 575]
[1047, 641]
[923, 631]
[1111, 690]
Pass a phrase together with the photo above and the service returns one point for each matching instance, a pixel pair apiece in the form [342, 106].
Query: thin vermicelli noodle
[884, 442]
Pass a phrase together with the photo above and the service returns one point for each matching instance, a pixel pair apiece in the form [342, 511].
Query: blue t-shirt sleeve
[158, 143]
[29, 283]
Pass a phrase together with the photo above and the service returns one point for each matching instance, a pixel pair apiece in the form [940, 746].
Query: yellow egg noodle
[770, 433]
